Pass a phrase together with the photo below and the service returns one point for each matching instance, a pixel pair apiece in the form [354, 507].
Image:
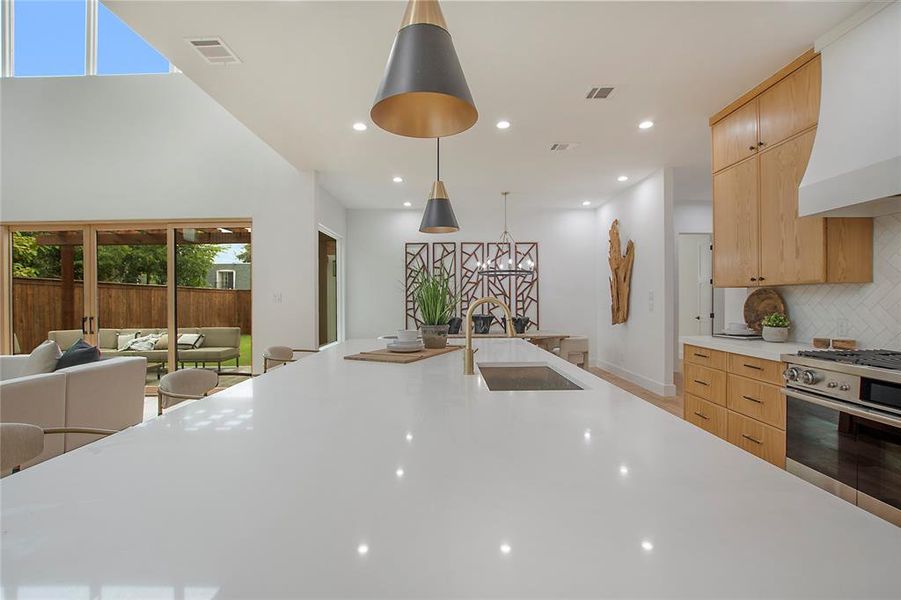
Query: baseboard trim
[661, 389]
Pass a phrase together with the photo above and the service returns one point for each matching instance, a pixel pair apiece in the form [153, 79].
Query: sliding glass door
[133, 289]
[47, 287]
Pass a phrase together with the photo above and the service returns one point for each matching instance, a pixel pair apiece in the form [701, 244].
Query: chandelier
[492, 268]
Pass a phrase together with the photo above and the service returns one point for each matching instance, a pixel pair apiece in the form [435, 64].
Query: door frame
[89, 232]
[340, 262]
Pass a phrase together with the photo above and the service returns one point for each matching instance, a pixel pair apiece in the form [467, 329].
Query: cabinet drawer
[705, 383]
[706, 415]
[757, 400]
[756, 368]
[705, 357]
[760, 440]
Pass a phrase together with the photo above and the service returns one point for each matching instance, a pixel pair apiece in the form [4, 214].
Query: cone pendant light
[423, 92]
[438, 216]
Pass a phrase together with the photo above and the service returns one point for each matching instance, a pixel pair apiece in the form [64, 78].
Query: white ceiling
[311, 69]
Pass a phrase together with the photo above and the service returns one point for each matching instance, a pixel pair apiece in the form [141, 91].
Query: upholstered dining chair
[20, 442]
[275, 356]
[575, 350]
[185, 384]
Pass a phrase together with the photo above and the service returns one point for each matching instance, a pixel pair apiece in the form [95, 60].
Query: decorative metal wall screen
[527, 287]
[520, 293]
[416, 259]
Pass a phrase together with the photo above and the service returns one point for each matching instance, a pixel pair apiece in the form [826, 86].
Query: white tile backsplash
[869, 313]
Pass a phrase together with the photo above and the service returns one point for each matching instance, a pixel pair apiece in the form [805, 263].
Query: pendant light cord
[438, 158]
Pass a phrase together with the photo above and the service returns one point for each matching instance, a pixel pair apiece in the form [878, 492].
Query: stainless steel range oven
[843, 425]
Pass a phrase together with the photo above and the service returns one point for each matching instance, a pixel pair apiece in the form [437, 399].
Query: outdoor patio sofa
[218, 345]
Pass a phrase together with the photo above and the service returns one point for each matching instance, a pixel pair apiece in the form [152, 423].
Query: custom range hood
[855, 166]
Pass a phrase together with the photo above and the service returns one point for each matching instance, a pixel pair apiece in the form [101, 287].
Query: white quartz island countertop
[336, 478]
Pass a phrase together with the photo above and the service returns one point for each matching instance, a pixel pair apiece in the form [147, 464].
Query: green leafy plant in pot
[437, 304]
[775, 327]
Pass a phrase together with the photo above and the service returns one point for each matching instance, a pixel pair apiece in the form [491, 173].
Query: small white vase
[775, 334]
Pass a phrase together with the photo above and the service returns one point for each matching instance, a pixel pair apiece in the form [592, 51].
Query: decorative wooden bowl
[761, 303]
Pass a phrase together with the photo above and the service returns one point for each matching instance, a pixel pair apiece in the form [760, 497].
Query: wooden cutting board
[402, 358]
[761, 303]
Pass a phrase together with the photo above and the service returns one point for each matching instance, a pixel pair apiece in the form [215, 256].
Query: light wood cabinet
[790, 106]
[740, 400]
[735, 225]
[735, 137]
[758, 237]
[706, 415]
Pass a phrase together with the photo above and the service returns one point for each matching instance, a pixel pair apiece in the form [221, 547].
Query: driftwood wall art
[620, 275]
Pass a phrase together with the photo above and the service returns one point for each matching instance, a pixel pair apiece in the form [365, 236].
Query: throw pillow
[123, 340]
[187, 341]
[42, 359]
[79, 353]
[162, 343]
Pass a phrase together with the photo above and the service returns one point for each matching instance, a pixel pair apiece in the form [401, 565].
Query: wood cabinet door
[792, 248]
[734, 138]
[735, 226]
[790, 106]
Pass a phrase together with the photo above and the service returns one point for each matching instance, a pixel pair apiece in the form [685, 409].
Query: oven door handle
[844, 407]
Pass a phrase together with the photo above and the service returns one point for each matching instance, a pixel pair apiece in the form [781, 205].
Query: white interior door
[695, 289]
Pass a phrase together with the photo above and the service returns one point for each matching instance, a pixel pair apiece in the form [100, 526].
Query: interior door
[48, 288]
[736, 225]
[695, 289]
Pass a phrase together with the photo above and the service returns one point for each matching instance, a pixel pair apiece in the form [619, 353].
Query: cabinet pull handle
[700, 382]
[753, 279]
[752, 399]
[761, 144]
[702, 355]
[761, 279]
[752, 147]
[83, 329]
[755, 367]
[748, 437]
[703, 416]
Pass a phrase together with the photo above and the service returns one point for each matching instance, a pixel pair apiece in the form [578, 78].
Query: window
[121, 51]
[72, 37]
[50, 37]
[225, 280]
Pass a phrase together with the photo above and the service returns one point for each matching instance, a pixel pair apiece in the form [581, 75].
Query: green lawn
[246, 358]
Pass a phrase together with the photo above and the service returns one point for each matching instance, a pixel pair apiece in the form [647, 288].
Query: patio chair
[186, 384]
[280, 355]
[21, 442]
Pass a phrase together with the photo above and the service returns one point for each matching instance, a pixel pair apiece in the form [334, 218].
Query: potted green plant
[437, 304]
[775, 327]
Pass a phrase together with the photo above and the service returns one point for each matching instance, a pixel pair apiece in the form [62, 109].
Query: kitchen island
[337, 478]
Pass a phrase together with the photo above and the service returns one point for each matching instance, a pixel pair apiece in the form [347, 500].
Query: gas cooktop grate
[883, 359]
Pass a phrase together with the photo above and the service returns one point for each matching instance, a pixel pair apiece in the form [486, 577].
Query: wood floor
[671, 404]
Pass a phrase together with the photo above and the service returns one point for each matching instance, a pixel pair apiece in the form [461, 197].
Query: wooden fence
[38, 308]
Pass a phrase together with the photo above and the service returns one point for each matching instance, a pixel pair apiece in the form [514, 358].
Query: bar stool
[21, 442]
[185, 384]
[280, 355]
[575, 350]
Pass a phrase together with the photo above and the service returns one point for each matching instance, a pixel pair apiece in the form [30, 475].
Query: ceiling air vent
[562, 147]
[599, 93]
[214, 51]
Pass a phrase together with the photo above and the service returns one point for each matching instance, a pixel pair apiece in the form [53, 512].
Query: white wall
[567, 262]
[157, 147]
[642, 349]
[330, 212]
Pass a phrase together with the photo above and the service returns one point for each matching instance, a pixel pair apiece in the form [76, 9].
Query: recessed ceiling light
[408, 205]
[586, 203]
[646, 124]
[506, 548]
[358, 126]
[398, 179]
[409, 437]
[647, 546]
[623, 178]
[399, 472]
[363, 549]
[623, 470]
[503, 124]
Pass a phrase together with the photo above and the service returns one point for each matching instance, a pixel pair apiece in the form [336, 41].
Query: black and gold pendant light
[438, 216]
[423, 92]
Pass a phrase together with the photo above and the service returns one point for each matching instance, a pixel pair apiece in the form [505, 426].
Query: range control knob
[791, 374]
[809, 377]
[831, 384]
[844, 387]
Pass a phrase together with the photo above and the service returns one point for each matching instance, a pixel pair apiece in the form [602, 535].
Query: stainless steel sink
[522, 377]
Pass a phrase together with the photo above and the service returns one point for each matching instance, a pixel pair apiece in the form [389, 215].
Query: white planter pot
[775, 334]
